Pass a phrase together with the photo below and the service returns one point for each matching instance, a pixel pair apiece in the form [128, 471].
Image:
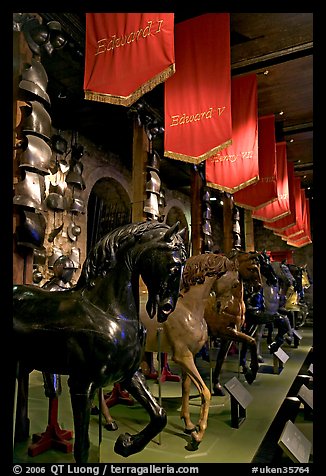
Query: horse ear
[171, 232]
[182, 233]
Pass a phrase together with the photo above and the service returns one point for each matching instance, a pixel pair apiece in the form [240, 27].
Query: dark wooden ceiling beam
[250, 65]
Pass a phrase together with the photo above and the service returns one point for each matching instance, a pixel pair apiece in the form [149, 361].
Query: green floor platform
[221, 443]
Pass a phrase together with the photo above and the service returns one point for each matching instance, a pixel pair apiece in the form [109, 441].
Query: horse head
[248, 267]
[162, 260]
[267, 269]
[306, 278]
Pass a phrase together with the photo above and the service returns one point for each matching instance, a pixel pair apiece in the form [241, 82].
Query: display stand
[99, 454]
[294, 444]
[53, 437]
[159, 331]
[279, 359]
[117, 395]
[240, 399]
[296, 338]
[306, 397]
[166, 374]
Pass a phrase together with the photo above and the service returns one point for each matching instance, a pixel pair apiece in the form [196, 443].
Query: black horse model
[93, 334]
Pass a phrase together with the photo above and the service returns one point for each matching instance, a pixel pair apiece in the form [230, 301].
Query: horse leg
[185, 413]
[222, 352]
[22, 423]
[249, 372]
[81, 402]
[254, 331]
[279, 338]
[190, 373]
[258, 337]
[110, 423]
[127, 444]
[237, 336]
[243, 354]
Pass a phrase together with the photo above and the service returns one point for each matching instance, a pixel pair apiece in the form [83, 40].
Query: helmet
[151, 205]
[207, 229]
[30, 191]
[207, 214]
[36, 120]
[77, 206]
[61, 264]
[37, 155]
[35, 34]
[32, 230]
[154, 184]
[35, 90]
[36, 73]
[153, 161]
[55, 201]
[73, 231]
[75, 178]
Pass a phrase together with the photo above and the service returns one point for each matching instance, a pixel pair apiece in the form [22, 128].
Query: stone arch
[108, 206]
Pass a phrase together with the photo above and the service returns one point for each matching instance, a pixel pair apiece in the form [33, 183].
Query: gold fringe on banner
[289, 236]
[249, 207]
[293, 243]
[279, 229]
[271, 220]
[234, 189]
[138, 93]
[200, 158]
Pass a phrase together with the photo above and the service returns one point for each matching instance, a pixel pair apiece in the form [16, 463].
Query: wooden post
[227, 223]
[22, 260]
[249, 231]
[196, 212]
[140, 149]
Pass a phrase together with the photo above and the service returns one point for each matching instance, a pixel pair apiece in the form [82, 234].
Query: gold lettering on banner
[283, 196]
[232, 158]
[109, 44]
[180, 119]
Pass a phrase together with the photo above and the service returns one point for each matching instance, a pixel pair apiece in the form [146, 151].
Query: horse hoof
[273, 347]
[188, 432]
[249, 375]
[218, 391]
[111, 426]
[123, 445]
[193, 444]
[260, 359]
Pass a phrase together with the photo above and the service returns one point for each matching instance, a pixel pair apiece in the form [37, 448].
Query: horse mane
[199, 266]
[102, 257]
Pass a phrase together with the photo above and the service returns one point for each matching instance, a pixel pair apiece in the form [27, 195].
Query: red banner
[297, 229]
[300, 241]
[127, 55]
[236, 167]
[289, 220]
[280, 208]
[264, 191]
[197, 110]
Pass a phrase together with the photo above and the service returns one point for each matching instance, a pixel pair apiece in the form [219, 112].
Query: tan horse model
[186, 333]
[225, 313]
